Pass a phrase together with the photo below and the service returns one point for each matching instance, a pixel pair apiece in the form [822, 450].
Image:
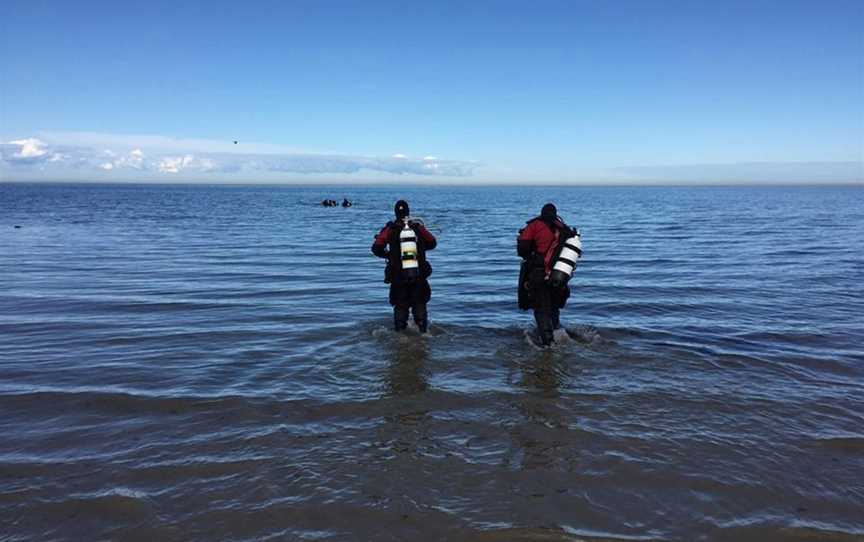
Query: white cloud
[29, 151]
[107, 166]
[176, 164]
[30, 148]
[173, 164]
[131, 160]
[135, 159]
[397, 155]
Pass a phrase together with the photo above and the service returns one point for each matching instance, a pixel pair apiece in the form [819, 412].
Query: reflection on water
[407, 368]
[544, 374]
[538, 439]
[405, 427]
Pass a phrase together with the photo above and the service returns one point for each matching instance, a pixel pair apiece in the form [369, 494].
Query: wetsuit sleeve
[525, 241]
[379, 246]
[429, 241]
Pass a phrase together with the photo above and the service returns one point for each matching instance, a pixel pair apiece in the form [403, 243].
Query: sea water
[185, 362]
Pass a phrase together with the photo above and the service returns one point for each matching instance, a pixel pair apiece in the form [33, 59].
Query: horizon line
[449, 184]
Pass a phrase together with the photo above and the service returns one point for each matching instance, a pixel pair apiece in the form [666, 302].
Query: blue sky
[534, 92]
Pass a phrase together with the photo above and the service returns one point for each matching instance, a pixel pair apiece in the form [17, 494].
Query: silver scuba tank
[566, 260]
[408, 252]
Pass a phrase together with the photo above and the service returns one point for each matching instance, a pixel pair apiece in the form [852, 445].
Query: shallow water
[216, 363]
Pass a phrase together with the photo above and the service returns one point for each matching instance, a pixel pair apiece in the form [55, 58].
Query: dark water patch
[848, 444]
[105, 305]
[541, 534]
[779, 531]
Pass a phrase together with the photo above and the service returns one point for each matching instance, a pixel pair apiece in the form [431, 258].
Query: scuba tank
[408, 252]
[565, 260]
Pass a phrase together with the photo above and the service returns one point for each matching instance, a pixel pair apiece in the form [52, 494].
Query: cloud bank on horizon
[134, 157]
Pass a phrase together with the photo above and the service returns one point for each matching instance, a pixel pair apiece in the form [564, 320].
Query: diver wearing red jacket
[537, 244]
[404, 243]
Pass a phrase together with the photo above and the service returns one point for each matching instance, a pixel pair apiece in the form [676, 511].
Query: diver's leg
[559, 300]
[421, 317]
[543, 314]
[400, 317]
[544, 326]
[401, 304]
[556, 318]
[420, 296]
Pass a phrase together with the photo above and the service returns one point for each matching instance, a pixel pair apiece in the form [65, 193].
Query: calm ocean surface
[216, 363]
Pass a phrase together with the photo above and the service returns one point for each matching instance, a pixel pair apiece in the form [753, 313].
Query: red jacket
[538, 240]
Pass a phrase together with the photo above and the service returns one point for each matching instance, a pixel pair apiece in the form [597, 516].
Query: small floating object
[17, 227]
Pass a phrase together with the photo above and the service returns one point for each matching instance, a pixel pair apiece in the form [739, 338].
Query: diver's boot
[422, 324]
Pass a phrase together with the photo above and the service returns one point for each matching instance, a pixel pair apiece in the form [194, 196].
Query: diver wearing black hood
[404, 243]
[550, 249]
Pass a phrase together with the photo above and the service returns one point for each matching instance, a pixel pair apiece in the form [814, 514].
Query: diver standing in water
[404, 243]
[550, 249]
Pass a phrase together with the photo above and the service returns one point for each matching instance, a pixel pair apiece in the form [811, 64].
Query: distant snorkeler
[346, 202]
[550, 250]
[403, 243]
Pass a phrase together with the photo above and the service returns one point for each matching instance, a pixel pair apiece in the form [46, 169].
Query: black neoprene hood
[401, 209]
